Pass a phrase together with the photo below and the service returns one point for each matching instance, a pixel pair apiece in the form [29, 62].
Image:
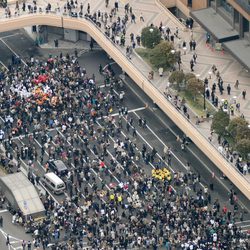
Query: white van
[54, 183]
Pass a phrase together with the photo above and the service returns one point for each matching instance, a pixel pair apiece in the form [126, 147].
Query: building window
[227, 7]
[190, 3]
[236, 16]
[210, 2]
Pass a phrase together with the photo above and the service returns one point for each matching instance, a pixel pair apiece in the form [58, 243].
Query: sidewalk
[229, 68]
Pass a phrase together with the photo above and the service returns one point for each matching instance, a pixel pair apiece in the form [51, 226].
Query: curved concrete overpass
[87, 26]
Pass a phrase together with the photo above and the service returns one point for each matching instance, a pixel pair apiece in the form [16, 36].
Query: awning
[241, 50]
[212, 22]
[22, 192]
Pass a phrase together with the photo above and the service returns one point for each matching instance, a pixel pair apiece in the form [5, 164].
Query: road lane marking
[244, 221]
[10, 237]
[13, 51]
[4, 37]
[130, 111]
[245, 226]
[164, 144]
[108, 65]
[192, 152]
[4, 65]
[133, 161]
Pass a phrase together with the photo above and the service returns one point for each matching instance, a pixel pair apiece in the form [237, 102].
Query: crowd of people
[113, 201]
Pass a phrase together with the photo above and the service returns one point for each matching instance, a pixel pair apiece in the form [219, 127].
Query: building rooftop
[215, 24]
[24, 193]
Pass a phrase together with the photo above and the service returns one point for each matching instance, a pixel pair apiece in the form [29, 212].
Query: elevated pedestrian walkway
[133, 71]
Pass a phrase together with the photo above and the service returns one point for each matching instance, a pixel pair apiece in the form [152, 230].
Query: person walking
[192, 65]
[236, 85]
[195, 57]
[24, 244]
[168, 245]
[88, 8]
[91, 45]
[141, 18]
[7, 240]
[244, 93]
[116, 5]
[228, 89]
[1, 221]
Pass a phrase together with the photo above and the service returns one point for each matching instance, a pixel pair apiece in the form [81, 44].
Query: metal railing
[142, 82]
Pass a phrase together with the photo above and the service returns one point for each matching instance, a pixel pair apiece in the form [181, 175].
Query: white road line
[13, 51]
[217, 178]
[138, 151]
[130, 111]
[164, 144]
[150, 146]
[10, 237]
[44, 169]
[34, 175]
[3, 37]
[43, 186]
[245, 226]
[108, 65]
[4, 65]
[198, 158]
[244, 221]
[72, 146]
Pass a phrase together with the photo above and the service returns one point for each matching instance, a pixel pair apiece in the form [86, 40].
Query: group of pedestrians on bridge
[54, 109]
[57, 110]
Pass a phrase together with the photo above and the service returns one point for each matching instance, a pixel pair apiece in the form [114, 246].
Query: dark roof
[212, 22]
[24, 193]
[241, 50]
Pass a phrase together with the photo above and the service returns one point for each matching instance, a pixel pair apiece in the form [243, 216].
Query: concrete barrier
[140, 80]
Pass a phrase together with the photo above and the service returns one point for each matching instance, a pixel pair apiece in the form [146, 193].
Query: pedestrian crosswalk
[14, 243]
[245, 225]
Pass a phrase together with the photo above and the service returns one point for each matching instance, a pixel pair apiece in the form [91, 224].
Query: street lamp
[205, 82]
[204, 96]
[151, 30]
[184, 50]
[172, 51]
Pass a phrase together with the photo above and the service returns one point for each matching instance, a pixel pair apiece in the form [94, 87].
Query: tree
[161, 56]
[234, 124]
[177, 77]
[220, 122]
[194, 86]
[243, 147]
[150, 37]
[242, 132]
[189, 76]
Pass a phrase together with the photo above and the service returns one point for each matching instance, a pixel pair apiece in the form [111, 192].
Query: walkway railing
[86, 25]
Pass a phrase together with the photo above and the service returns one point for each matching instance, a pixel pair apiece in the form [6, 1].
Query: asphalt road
[160, 131]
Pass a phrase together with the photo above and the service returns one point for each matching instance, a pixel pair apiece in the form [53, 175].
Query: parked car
[54, 183]
[58, 167]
